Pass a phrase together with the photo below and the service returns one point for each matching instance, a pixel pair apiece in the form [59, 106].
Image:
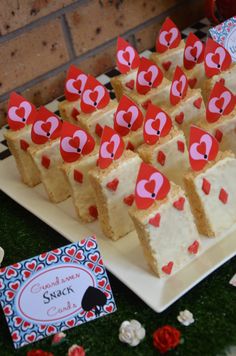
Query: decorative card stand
[113, 182]
[169, 48]
[80, 155]
[21, 115]
[165, 146]
[211, 185]
[161, 209]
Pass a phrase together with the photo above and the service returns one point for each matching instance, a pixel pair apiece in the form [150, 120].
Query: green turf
[212, 302]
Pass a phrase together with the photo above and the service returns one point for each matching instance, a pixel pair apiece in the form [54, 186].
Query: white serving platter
[124, 258]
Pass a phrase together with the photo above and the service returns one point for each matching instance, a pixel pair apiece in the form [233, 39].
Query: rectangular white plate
[123, 258]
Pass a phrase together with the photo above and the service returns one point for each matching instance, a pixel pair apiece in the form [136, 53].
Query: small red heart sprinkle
[168, 268]
[222, 81]
[161, 158]
[130, 84]
[181, 146]
[75, 112]
[98, 130]
[194, 247]
[45, 161]
[78, 176]
[129, 199]
[206, 186]
[179, 118]
[146, 103]
[24, 145]
[93, 211]
[223, 196]
[130, 146]
[218, 135]
[113, 184]
[166, 65]
[197, 103]
[179, 204]
[155, 221]
[192, 82]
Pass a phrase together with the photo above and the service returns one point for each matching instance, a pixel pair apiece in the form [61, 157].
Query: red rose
[39, 353]
[166, 338]
[76, 350]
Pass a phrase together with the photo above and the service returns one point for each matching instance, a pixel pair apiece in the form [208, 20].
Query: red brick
[96, 22]
[195, 10]
[15, 14]
[31, 55]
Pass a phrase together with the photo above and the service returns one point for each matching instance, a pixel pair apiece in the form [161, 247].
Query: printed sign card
[225, 34]
[55, 291]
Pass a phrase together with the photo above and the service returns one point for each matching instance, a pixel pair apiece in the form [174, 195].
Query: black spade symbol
[93, 298]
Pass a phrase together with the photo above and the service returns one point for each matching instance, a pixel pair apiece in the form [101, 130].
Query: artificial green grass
[212, 302]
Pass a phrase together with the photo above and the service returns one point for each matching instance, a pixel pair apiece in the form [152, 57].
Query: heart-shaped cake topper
[95, 96]
[127, 57]
[193, 51]
[216, 58]
[47, 126]
[157, 123]
[151, 185]
[149, 76]
[169, 36]
[75, 142]
[75, 83]
[221, 102]
[203, 147]
[20, 112]
[179, 86]
[111, 147]
[128, 117]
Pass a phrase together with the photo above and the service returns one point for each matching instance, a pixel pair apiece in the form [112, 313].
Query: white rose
[131, 332]
[185, 317]
[1, 254]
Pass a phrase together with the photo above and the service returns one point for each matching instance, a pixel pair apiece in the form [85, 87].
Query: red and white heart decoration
[111, 147]
[75, 83]
[20, 112]
[75, 142]
[128, 117]
[221, 102]
[193, 51]
[95, 96]
[157, 123]
[179, 86]
[203, 147]
[127, 57]
[47, 126]
[169, 36]
[216, 58]
[149, 76]
[151, 185]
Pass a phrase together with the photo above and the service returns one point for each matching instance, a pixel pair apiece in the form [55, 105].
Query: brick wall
[39, 39]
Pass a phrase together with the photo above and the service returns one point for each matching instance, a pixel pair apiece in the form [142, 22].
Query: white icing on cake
[222, 175]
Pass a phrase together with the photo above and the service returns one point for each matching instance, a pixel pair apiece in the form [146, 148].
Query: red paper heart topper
[169, 36]
[221, 102]
[193, 51]
[179, 86]
[127, 57]
[47, 126]
[95, 96]
[203, 147]
[75, 83]
[128, 117]
[75, 142]
[149, 76]
[216, 58]
[20, 112]
[111, 147]
[151, 185]
[157, 124]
